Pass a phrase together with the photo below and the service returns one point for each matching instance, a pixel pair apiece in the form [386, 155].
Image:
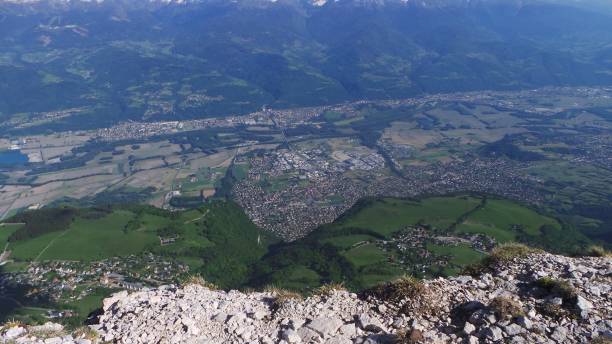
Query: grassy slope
[462, 255]
[5, 232]
[217, 240]
[497, 217]
[88, 240]
[388, 215]
[373, 220]
[365, 255]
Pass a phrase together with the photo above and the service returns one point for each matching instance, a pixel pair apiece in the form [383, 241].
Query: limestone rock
[368, 323]
[325, 326]
[451, 311]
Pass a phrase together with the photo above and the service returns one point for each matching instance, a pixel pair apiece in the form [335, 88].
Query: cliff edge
[534, 298]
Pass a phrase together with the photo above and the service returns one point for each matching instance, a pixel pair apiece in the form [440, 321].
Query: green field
[501, 235]
[348, 121]
[89, 303]
[332, 116]
[5, 232]
[191, 238]
[497, 218]
[374, 274]
[461, 256]
[353, 242]
[581, 192]
[385, 217]
[302, 276]
[89, 240]
[372, 264]
[347, 241]
[388, 215]
[365, 255]
[216, 241]
[204, 180]
[240, 171]
[212, 233]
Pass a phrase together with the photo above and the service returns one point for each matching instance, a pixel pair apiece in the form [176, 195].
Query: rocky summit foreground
[539, 298]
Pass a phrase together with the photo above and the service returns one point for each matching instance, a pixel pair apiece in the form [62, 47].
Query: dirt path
[196, 219]
[48, 245]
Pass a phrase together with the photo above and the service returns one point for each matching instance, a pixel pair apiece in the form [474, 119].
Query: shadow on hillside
[7, 304]
[14, 297]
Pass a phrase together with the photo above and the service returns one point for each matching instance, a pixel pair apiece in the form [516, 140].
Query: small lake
[13, 157]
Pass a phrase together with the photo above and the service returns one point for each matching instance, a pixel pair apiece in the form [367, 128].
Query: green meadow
[388, 215]
[498, 217]
[5, 232]
[358, 259]
[88, 240]
[217, 232]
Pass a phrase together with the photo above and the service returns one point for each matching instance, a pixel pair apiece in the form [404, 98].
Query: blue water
[11, 158]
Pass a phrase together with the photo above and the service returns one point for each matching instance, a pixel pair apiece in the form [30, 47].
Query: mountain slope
[118, 60]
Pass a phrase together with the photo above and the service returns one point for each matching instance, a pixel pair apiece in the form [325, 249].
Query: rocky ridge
[539, 298]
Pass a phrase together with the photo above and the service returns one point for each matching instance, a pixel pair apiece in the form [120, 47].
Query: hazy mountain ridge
[110, 59]
[423, 3]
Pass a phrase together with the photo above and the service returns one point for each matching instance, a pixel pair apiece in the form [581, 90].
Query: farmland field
[88, 240]
[498, 217]
[388, 215]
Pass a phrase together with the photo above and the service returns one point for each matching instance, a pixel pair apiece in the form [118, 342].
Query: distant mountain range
[112, 60]
[321, 3]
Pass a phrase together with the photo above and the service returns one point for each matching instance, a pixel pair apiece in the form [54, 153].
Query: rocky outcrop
[540, 298]
[48, 333]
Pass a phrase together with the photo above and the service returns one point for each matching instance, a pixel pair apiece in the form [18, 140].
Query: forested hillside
[116, 61]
